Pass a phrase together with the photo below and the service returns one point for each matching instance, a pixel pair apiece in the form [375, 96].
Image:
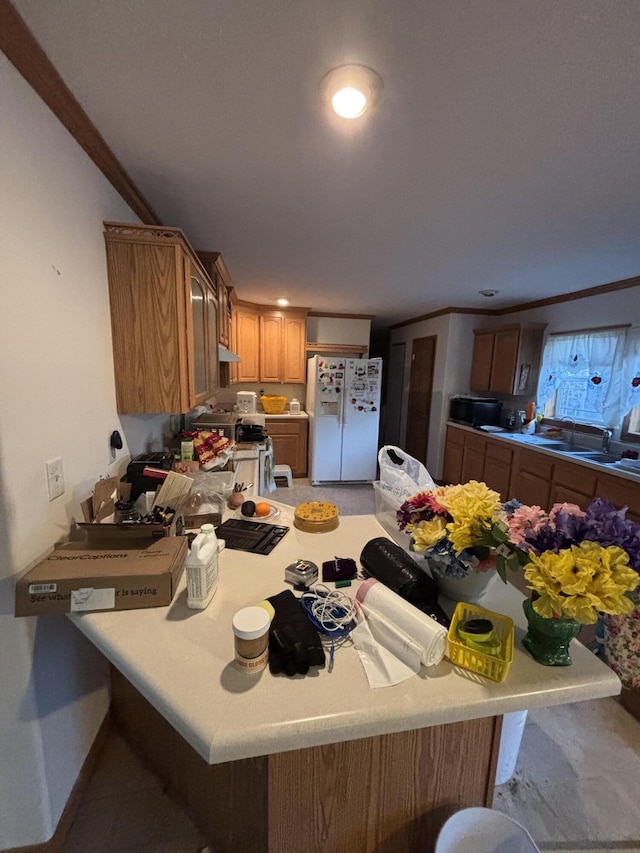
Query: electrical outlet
[55, 478]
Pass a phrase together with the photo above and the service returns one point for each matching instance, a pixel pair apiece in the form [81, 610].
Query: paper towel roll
[409, 634]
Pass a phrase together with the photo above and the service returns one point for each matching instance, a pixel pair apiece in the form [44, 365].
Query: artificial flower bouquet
[462, 528]
[580, 563]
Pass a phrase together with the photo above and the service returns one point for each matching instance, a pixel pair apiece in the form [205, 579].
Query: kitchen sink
[596, 456]
[557, 445]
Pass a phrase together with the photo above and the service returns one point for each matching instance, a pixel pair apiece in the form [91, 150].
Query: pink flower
[524, 520]
[566, 509]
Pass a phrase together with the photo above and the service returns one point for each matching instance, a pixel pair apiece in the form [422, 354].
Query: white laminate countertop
[538, 442]
[287, 416]
[181, 660]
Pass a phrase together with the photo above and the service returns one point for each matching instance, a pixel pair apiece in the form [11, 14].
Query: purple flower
[602, 523]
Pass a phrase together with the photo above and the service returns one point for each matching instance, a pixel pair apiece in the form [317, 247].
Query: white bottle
[294, 407]
[202, 568]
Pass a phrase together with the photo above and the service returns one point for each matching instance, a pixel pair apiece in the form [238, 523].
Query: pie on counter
[316, 517]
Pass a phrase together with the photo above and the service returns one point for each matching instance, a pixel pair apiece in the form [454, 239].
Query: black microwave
[476, 411]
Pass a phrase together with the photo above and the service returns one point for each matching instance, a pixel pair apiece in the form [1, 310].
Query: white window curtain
[584, 371]
[630, 382]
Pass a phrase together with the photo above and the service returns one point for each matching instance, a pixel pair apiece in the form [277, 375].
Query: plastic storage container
[294, 406]
[494, 667]
[202, 568]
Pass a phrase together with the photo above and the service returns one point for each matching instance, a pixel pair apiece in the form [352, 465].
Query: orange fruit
[263, 508]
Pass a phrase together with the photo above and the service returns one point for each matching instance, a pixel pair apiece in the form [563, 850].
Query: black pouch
[340, 569]
[391, 565]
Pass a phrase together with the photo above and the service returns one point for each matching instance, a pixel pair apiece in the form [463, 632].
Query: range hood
[226, 355]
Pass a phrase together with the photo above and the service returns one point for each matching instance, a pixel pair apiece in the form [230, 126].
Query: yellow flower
[472, 506]
[426, 534]
[581, 581]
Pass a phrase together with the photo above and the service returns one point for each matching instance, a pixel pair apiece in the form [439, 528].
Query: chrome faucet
[606, 439]
[573, 428]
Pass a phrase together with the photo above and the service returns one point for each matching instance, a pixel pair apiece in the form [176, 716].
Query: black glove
[294, 644]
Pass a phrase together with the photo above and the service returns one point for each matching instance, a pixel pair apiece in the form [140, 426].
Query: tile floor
[575, 788]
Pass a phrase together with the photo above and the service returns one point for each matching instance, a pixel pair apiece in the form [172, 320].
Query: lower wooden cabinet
[621, 493]
[289, 439]
[473, 457]
[498, 462]
[572, 484]
[454, 447]
[532, 477]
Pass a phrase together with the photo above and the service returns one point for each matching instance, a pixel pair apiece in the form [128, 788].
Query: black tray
[257, 537]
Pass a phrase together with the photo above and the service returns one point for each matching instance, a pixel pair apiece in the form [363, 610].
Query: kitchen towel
[392, 637]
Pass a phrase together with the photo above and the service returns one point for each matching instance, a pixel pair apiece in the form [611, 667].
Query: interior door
[423, 354]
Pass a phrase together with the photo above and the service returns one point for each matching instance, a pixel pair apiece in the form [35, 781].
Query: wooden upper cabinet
[294, 356]
[481, 361]
[271, 347]
[217, 271]
[246, 343]
[506, 360]
[163, 320]
[271, 343]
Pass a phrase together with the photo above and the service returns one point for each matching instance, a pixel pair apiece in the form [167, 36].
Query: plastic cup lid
[251, 623]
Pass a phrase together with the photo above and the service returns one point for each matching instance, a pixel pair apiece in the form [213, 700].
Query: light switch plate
[55, 478]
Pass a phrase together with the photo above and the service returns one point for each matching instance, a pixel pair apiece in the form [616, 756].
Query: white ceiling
[503, 153]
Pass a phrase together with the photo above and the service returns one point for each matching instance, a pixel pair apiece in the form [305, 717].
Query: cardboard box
[76, 578]
[99, 512]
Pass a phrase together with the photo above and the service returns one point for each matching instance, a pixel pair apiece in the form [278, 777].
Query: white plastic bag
[400, 477]
[401, 474]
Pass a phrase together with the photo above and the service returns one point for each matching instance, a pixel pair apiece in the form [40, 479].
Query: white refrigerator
[343, 403]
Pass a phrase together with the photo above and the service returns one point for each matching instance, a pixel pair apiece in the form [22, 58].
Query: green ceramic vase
[547, 640]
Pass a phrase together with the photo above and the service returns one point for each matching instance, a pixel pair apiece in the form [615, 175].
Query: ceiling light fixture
[282, 301]
[350, 90]
[488, 293]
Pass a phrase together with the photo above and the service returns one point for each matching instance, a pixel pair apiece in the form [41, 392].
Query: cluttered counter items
[182, 662]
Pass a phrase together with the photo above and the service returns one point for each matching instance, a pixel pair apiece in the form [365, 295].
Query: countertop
[538, 442]
[181, 660]
[287, 416]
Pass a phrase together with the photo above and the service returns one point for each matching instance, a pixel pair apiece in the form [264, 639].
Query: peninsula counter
[321, 762]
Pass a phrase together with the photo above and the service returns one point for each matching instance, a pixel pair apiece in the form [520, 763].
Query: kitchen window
[593, 377]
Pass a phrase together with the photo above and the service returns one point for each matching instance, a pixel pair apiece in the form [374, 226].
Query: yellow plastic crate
[495, 668]
[273, 405]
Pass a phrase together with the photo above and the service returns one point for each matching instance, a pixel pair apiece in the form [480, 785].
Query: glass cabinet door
[198, 313]
[212, 329]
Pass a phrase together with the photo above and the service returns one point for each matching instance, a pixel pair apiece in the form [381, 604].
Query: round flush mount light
[488, 293]
[350, 90]
[282, 301]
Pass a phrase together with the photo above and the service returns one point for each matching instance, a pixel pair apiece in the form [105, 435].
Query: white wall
[57, 398]
[451, 368]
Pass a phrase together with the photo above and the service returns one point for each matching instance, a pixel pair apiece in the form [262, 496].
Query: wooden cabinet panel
[582, 480]
[497, 468]
[481, 361]
[621, 492]
[505, 360]
[289, 443]
[163, 306]
[246, 339]
[473, 458]
[294, 361]
[453, 452]
[270, 347]
[531, 478]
